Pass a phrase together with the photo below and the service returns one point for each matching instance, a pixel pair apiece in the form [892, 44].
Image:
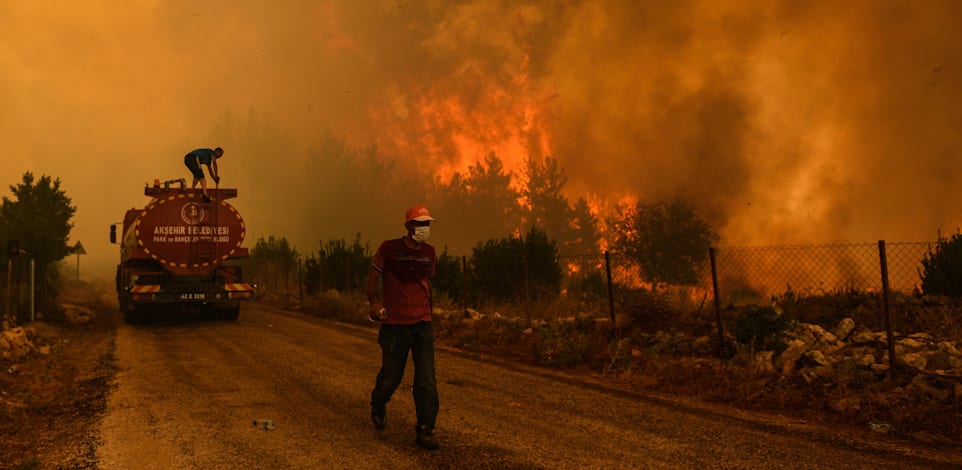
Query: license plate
[192, 296]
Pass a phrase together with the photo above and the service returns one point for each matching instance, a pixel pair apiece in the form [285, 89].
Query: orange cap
[418, 213]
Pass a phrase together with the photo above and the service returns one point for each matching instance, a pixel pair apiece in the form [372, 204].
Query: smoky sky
[783, 121]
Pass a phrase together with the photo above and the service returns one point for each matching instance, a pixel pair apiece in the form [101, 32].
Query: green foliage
[763, 328]
[667, 241]
[583, 235]
[788, 300]
[648, 307]
[478, 205]
[619, 356]
[38, 218]
[312, 275]
[449, 278]
[339, 265]
[492, 332]
[563, 343]
[942, 269]
[272, 264]
[517, 269]
[588, 285]
[333, 305]
[574, 228]
[547, 207]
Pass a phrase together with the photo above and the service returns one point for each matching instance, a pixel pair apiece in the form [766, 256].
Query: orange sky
[787, 121]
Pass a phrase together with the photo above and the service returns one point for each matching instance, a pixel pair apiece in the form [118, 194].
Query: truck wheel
[229, 314]
[132, 318]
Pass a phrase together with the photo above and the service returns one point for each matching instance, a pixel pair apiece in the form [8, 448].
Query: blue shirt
[204, 156]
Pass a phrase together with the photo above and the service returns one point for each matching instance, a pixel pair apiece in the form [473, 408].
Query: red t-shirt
[407, 280]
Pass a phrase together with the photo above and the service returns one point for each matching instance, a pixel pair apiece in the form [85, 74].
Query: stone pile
[18, 342]
[21, 341]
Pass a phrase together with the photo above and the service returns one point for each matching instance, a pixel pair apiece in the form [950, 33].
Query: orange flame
[451, 131]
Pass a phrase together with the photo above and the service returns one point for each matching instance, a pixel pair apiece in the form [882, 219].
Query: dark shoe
[206, 198]
[379, 417]
[425, 439]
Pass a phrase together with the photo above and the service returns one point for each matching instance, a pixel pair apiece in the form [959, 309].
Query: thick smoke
[784, 122]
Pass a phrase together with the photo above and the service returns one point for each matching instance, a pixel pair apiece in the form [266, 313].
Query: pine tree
[38, 220]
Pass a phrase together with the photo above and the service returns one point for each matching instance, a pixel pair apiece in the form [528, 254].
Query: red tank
[180, 252]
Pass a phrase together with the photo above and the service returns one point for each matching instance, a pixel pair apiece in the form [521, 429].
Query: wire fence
[755, 274]
[611, 283]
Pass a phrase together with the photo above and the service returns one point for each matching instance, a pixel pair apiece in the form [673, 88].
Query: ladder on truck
[207, 250]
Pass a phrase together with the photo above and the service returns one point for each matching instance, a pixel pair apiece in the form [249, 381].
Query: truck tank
[180, 253]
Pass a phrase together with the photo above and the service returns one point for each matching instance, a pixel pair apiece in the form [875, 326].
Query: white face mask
[421, 234]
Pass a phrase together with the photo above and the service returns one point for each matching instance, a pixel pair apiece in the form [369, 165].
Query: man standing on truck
[199, 157]
[405, 266]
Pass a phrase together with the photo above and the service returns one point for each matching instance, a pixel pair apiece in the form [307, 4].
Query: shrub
[564, 343]
[448, 277]
[526, 268]
[339, 265]
[333, 305]
[619, 356]
[666, 240]
[497, 332]
[942, 269]
[763, 328]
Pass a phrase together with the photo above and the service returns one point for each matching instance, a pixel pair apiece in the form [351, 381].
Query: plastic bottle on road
[267, 424]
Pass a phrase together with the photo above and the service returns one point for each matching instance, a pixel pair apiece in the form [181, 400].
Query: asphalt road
[186, 393]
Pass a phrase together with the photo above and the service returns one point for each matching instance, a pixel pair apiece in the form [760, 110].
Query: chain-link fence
[755, 274]
[602, 285]
[611, 284]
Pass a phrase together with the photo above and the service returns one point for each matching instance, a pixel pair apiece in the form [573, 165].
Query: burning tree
[574, 227]
[482, 202]
[667, 240]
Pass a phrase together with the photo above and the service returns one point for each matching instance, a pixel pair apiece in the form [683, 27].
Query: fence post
[611, 298]
[33, 290]
[9, 311]
[17, 291]
[714, 286]
[885, 306]
[464, 284]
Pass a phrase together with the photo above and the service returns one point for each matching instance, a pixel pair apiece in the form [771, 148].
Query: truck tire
[132, 317]
[229, 314]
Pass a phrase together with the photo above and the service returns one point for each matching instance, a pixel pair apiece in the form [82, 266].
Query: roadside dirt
[50, 404]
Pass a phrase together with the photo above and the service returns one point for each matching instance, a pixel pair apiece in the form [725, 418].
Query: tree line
[541, 238]
[538, 229]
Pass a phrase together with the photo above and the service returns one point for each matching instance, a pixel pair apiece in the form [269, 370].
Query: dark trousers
[396, 341]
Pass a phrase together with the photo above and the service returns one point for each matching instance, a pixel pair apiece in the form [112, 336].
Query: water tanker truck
[179, 254]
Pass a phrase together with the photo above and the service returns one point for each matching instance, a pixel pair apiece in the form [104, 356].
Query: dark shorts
[191, 161]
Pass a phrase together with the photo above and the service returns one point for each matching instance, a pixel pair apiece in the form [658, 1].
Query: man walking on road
[404, 266]
[199, 157]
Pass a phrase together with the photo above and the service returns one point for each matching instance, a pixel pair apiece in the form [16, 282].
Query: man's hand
[376, 312]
